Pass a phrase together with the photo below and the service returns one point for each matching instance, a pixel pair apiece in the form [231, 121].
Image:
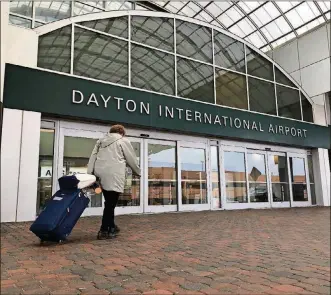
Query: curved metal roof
[265, 24]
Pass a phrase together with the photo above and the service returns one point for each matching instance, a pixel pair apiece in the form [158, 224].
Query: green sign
[67, 96]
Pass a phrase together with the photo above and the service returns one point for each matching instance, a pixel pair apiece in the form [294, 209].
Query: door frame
[192, 207]
[157, 208]
[305, 161]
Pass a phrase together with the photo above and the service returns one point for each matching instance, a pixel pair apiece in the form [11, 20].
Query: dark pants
[111, 199]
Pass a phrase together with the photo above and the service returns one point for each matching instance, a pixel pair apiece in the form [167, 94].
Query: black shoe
[102, 235]
[112, 233]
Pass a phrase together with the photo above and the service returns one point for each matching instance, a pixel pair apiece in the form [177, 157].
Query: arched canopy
[173, 55]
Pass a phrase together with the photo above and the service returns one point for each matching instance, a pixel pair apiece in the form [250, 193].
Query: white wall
[307, 59]
[4, 17]
[20, 138]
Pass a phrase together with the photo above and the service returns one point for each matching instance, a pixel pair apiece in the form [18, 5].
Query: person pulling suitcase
[108, 162]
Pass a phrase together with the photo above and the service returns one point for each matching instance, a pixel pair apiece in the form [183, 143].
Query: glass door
[279, 180]
[161, 181]
[193, 177]
[75, 148]
[299, 179]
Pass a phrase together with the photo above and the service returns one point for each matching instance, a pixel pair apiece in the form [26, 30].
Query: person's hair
[117, 129]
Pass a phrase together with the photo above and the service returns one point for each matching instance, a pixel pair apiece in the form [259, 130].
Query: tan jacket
[108, 161]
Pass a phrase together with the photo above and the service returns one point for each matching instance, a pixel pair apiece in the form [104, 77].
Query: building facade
[216, 123]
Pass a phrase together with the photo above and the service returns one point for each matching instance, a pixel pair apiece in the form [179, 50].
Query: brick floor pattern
[280, 251]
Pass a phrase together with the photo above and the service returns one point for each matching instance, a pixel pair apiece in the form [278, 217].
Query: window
[215, 177]
[20, 21]
[195, 80]
[288, 101]
[258, 66]
[50, 11]
[100, 57]
[45, 168]
[152, 31]
[282, 79]
[152, 70]
[307, 109]
[229, 53]
[231, 89]
[298, 178]
[194, 41]
[262, 96]
[54, 50]
[311, 179]
[21, 7]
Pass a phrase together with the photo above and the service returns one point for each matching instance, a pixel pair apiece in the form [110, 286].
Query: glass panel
[215, 178]
[54, 50]
[281, 78]
[194, 41]
[262, 96]
[307, 109]
[162, 175]
[235, 177]
[311, 179]
[131, 194]
[81, 8]
[156, 32]
[100, 57]
[21, 7]
[257, 178]
[45, 169]
[76, 154]
[195, 80]
[194, 177]
[152, 70]
[229, 53]
[258, 66]
[279, 178]
[288, 101]
[37, 24]
[118, 5]
[19, 21]
[117, 26]
[298, 176]
[231, 89]
[49, 11]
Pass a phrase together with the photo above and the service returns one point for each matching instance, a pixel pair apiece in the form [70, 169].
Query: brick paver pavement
[283, 251]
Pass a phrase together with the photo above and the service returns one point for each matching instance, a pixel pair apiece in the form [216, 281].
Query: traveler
[108, 162]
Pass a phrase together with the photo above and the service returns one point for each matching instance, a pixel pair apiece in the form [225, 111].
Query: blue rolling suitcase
[60, 215]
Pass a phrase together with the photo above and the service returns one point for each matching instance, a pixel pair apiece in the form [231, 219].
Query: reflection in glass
[84, 8]
[131, 194]
[76, 154]
[117, 26]
[311, 179]
[20, 21]
[194, 41]
[298, 177]
[162, 175]
[262, 96]
[279, 178]
[118, 5]
[21, 7]
[54, 50]
[45, 169]
[257, 178]
[229, 53]
[152, 70]
[258, 66]
[195, 80]
[235, 177]
[194, 177]
[153, 31]
[37, 24]
[100, 57]
[215, 179]
[307, 109]
[288, 101]
[50, 11]
[281, 78]
[231, 89]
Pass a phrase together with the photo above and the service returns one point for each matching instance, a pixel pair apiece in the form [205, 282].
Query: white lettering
[169, 111]
[271, 129]
[261, 127]
[74, 100]
[231, 122]
[179, 112]
[246, 124]
[197, 115]
[237, 123]
[207, 118]
[281, 129]
[287, 130]
[254, 126]
[93, 99]
[188, 115]
[304, 132]
[293, 131]
[224, 118]
[217, 120]
[133, 104]
[143, 108]
[299, 132]
[105, 101]
[119, 99]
